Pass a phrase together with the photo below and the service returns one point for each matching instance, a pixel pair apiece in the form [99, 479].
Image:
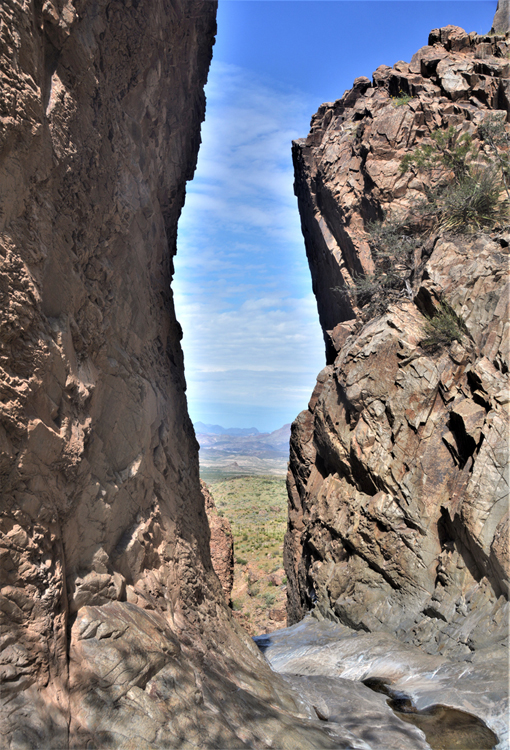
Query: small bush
[237, 605]
[443, 328]
[240, 561]
[393, 243]
[253, 589]
[449, 151]
[469, 185]
[401, 99]
[474, 202]
[269, 599]
[492, 131]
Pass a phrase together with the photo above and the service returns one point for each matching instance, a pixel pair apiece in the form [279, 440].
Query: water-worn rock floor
[453, 701]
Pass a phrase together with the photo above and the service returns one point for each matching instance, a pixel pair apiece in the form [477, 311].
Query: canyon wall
[114, 627]
[101, 112]
[398, 480]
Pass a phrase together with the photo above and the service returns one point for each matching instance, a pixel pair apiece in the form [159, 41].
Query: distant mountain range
[216, 442]
[216, 429]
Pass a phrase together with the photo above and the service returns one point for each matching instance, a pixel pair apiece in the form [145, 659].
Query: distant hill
[216, 429]
[255, 452]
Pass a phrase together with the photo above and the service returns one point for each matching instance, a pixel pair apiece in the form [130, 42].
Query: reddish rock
[347, 169]
[277, 615]
[277, 577]
[221, 544]
[398, 494]
[114, 631]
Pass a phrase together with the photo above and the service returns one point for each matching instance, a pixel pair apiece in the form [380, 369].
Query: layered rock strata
[398, 481]
[114, 629]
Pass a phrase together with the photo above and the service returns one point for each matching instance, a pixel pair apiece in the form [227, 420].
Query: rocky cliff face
[221, 544]
[115, 631]
[398, 481]
[101, 110]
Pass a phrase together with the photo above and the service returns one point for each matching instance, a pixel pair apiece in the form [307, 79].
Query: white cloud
[242, 287]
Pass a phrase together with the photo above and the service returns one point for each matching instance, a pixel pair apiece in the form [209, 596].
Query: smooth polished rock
[476, 684]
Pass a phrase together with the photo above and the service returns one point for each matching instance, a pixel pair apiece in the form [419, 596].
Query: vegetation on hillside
[256, 507]
[443, 328]
[466, 190]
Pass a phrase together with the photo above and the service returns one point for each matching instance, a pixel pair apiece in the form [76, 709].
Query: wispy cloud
[242, 289]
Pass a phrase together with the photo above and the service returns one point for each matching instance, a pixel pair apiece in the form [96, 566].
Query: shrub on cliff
[448, 151]
[393, 243]
[468, 186]
[466, 190]
[492, 131]
[443, 328]
[474, 202]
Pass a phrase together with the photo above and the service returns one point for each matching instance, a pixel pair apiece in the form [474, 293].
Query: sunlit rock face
[101, 110]
[398, 481]
[115, 631]
[221, 544]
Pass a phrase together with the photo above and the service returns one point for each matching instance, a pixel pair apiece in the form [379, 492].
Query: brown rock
[278, 615]
[360, 139]
[398, 495]
[221, 544]
[277, 577]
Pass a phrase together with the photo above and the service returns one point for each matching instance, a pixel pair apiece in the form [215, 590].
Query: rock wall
[101, 111]
[114, 628]
[221, 544]
[398, 480]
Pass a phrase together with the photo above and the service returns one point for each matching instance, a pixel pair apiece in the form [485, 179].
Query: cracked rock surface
[114, 627]
[398, 479]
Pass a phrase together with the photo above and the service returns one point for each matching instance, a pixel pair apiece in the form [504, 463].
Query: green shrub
[443, 328]
[468, 194]
[393, 243]
[237, 605]
[253, 589]
[401, 99]
[449, 151]
[240, 561]
[492, 131]
[269, 599]
[472, 203]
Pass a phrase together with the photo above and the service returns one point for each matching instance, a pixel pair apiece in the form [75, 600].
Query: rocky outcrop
[501, 23]
[114, 629]
[221, 544]
[348, 168]
[398, 481]
[101, 502]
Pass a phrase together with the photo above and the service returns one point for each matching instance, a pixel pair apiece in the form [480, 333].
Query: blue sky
[252, 342]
